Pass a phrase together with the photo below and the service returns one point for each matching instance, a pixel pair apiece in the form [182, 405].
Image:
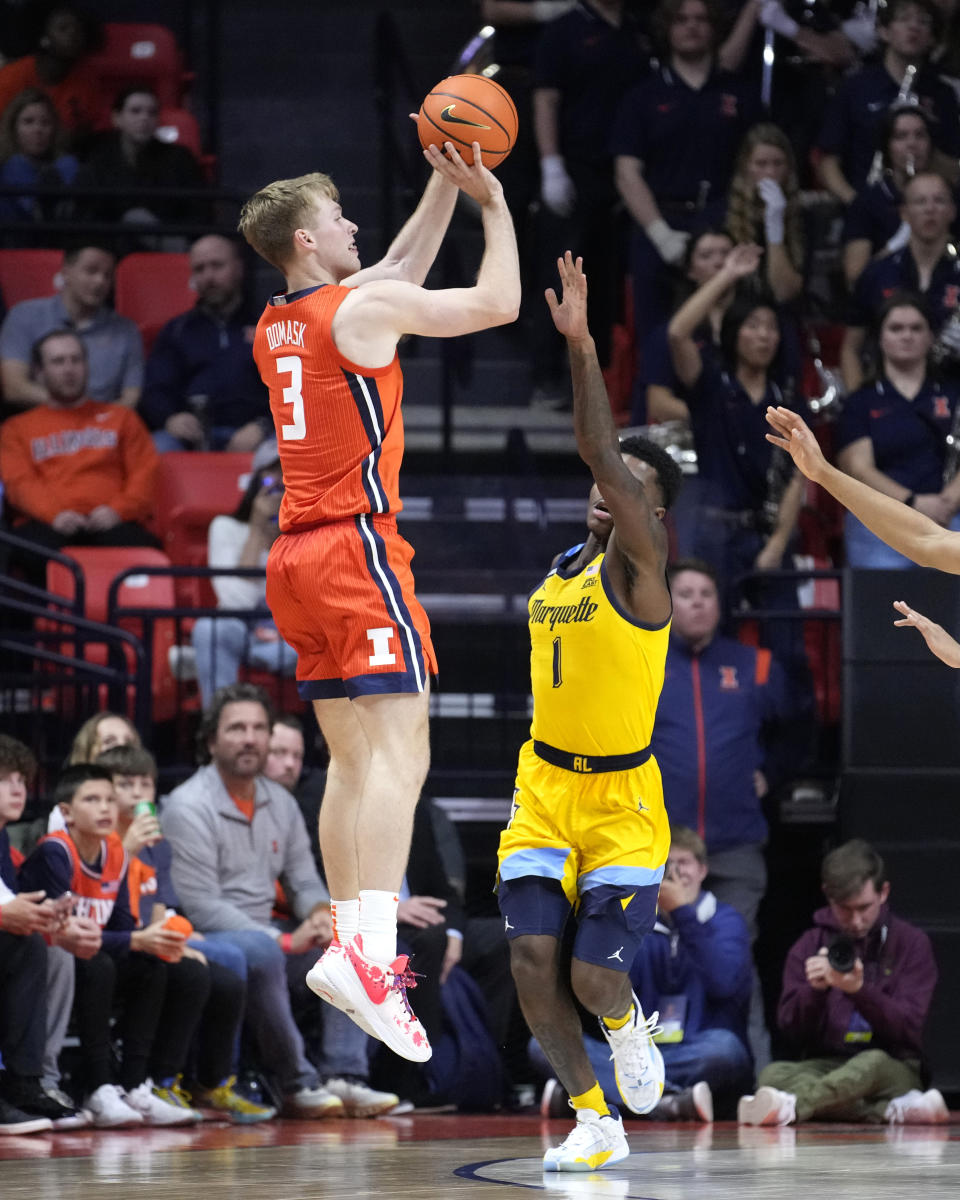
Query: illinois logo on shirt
[941, 408]
[728, 105]
[728, 679]
[951, 295]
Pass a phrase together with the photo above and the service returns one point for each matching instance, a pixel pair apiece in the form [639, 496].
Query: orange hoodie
[53, 459]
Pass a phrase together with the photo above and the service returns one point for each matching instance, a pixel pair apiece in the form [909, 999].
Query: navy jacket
[707, 737]
[196, 354]
[701, 951]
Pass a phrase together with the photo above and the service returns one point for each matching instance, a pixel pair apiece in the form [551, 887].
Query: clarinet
[906, 97]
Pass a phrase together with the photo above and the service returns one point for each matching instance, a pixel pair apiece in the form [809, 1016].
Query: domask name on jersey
[562, 614]
[285, 333]
[71, 441]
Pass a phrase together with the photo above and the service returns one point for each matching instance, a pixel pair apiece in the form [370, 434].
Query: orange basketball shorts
[342, 596]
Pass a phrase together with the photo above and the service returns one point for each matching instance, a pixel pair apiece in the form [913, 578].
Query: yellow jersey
[596, 672]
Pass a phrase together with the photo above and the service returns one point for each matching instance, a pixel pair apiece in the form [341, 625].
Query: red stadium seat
[192, 489]
[28, 274]
[100, 567]
[151, 289]
[134, 53]
[179, 126]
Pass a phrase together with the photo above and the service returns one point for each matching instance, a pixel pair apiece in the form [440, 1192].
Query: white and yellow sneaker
[595, 1142]
[637, 1061]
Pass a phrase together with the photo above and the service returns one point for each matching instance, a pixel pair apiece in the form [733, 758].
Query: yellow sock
[619, 1022]
[592, 1099]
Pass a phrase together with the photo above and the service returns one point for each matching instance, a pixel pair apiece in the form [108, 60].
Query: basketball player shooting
[588, 833]
[339, 583]
[913, 534]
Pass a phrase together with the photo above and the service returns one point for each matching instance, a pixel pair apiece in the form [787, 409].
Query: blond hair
[271, 216]
[744, 206]
[84, 744]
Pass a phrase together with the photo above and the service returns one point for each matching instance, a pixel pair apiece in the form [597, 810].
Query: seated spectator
[223, 644]
[856, 991]
[666, 398]
[346, 1071]
[928, 264]
[26, 920]
[162, 994]
[686, 102]
[152, 898]
[60, 68]
[201, 388]
[908, 29]
[31, 155]
[99, 733]
[131, 156]
[895, 434]
[114, 350]
[874, 225]
[234, 833]
[763, 206]
[751, 498]
[695, 970]
[76, 472]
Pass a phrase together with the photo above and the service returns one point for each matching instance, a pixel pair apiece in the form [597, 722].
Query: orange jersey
[339, 427]
[95, 891]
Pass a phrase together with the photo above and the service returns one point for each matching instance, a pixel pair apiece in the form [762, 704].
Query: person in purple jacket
[856, 991]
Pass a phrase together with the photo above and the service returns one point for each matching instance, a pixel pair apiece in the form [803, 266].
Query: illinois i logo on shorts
[380, 639]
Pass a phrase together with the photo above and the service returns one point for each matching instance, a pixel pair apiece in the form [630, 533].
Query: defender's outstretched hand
[940, 643]
[474, 179]
[570, 313]
[793, 435]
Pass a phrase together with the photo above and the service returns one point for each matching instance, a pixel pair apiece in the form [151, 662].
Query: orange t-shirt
[339, 426]
[246, 806]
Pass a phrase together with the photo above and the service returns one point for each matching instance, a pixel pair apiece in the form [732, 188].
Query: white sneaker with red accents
[321, 980]
[374, 996]
[769, 1106]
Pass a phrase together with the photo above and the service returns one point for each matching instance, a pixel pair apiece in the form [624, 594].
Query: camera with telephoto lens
[842, 955]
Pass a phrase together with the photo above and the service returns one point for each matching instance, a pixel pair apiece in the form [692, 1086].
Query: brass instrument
[906, 98]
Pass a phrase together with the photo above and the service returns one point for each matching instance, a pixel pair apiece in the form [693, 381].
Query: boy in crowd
[162, 1010]
[152, 898]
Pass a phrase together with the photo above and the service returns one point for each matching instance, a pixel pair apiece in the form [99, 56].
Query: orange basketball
[469, 108]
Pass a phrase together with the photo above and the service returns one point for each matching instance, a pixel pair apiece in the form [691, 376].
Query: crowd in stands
[696, 200]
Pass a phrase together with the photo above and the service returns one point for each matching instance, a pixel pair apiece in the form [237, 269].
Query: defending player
[338, 578]
[912, 533]
[588, 831]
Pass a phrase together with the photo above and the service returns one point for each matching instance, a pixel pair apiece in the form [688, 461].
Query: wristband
[910, 499]
[286, 943]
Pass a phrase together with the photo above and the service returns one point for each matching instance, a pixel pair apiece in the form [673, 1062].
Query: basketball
[469, 108]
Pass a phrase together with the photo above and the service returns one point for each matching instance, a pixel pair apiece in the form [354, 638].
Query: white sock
[378, 925]
[345, 915]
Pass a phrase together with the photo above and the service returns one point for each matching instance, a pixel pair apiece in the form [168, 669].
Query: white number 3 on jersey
[291, 364]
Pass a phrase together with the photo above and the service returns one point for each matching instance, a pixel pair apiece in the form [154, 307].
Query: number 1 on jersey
[291, 364]
[557, 675]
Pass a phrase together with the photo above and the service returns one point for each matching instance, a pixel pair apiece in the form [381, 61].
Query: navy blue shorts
[611, 921]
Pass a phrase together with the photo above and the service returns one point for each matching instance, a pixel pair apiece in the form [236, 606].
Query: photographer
[224, 644]
[856, 991]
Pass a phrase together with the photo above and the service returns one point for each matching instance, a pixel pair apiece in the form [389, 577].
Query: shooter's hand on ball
[472, 179]
[793, 435]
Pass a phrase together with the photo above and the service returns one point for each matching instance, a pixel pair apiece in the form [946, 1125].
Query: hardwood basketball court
[478, 1158]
